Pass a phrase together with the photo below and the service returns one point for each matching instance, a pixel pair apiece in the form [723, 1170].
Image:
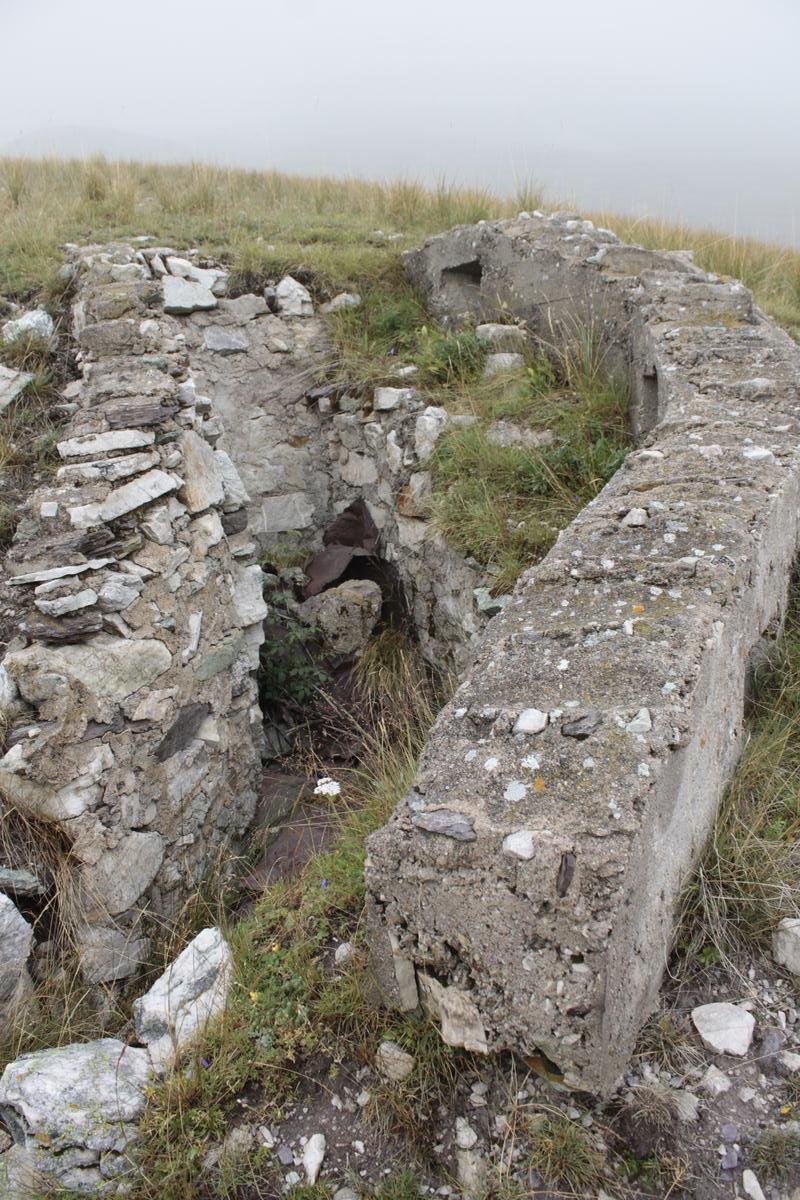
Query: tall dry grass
[264, 222]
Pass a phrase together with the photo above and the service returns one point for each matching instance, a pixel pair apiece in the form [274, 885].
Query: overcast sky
[688, 109]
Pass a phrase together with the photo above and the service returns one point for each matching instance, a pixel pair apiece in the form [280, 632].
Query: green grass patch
[505, 504]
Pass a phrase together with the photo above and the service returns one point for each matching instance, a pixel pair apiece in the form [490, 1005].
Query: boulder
[72, 1113]
[344, 616]
[192, 990]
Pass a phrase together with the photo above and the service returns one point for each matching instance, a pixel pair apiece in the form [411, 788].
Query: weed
[405, 1184]
[564, 1153]
[776, 1155]
[448, 356]
[669, 1043]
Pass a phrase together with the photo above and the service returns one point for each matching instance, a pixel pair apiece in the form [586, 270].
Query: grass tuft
[564, 1153]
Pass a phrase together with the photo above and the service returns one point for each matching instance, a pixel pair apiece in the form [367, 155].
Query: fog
[686, 109]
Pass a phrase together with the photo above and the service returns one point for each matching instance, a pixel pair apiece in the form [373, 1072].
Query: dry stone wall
[198, 441]
[129, 685]
[305, 452]
[524, 890]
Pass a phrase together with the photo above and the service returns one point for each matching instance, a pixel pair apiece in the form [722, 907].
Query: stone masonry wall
[305, 452]
[524, 890]
[197, 441]
[129, 686]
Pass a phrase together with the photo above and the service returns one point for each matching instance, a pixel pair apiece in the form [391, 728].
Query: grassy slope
[265, 222]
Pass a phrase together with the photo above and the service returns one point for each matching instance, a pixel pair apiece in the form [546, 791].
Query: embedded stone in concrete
[120, 876]
[385, 399]
[202, 477]
[225, 341]
[124, 499]
[190, 993]
[292, 299]
[101, 443]
[293, 510]
[430, 424]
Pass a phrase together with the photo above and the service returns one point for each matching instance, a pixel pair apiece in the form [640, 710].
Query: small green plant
[290, 674]
[448, 356]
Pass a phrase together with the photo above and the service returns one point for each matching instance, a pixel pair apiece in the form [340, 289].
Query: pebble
[285, 1156]
[393, 1062]
[344, 953]
[715, 1082]
[641, 723]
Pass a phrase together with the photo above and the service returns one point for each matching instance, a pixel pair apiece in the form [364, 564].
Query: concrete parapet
[525, 888]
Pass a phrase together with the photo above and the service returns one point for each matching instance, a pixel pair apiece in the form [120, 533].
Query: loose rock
[724, 1028]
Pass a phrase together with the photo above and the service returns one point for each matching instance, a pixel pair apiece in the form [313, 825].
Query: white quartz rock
[724, 1028]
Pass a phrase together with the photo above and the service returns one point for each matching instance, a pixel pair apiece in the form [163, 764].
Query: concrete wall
[524, 890]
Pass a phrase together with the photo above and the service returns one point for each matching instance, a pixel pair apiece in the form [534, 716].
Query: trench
[380, 564]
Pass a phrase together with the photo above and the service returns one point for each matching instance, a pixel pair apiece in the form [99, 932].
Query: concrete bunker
[524, 889]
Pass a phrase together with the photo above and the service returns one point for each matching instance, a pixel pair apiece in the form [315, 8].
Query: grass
[264, 222]
[749, 877]
[564, 1153]
[29, 426]
[285, 1006]
[502, 505]
[776, 1155]
[505, 504]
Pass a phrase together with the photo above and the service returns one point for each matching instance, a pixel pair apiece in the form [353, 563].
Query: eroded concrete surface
[524, 889]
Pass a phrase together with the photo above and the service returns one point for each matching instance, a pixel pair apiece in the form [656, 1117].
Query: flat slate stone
[183, 296]
[11, 384]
